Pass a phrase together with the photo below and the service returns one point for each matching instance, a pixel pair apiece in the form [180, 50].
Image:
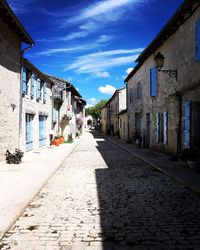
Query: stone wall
[36, 107]
[179, 53]
[10, 66]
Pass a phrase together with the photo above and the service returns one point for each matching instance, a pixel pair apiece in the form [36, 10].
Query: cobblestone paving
[104, 198]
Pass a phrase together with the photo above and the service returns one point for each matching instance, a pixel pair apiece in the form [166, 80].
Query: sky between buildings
[91, 43]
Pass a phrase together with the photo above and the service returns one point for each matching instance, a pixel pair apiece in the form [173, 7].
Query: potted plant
[14, 158]
[56, 141]
[62, 139]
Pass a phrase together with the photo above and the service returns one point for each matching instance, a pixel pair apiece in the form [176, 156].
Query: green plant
[56, 137]
[77, 134]
[14, 158]
[70, 137]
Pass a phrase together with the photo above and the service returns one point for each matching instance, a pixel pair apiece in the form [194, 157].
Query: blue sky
[91, 43]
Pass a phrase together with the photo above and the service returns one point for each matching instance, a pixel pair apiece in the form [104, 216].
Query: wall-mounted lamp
[159, 62]
[13, 106]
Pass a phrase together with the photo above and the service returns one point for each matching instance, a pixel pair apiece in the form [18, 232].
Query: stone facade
[123, 125]
[110, 112]
[36, 109]
[12, 34]
[159, 117]
[68, 109]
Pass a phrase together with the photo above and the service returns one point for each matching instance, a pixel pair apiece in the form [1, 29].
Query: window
[44, 92]
[131, 95]
[33, 80]
[38, 94]
[187, 124]
[139, 90]
[153, 82]
[162, 128]
[198, 40]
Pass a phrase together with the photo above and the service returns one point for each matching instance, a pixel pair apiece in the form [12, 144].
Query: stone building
[36, 108]
[12, 35]
[123, 124]
[110, 112]
[164, 100]
[68, 109]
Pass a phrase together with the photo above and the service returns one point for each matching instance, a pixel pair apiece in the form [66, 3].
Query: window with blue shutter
[198, 40]
[24, 81]
[165, 127]
[153, 82]
[38, 94]
[139, 90]
[187, 124]
[44, 92]
[157, 127]
[32, 85]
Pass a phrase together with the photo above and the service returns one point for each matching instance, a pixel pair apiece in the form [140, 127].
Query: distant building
[68, 111]
[12, 35]
[112, 112]
[164, 102]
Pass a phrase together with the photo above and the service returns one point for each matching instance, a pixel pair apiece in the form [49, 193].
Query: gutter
[20, 94]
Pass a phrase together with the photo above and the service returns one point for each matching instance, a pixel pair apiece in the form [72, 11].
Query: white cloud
[91, 102]
[129, 70]
[101, 74]
[20, 6]
[98, 16]
[101, 41]
[101, 8]
[107, 89]
[101, 61]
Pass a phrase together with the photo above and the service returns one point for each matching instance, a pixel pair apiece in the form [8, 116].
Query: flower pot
[55, 142]
[62, 139]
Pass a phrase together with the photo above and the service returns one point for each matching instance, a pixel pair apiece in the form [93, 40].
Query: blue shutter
[186, 128]
[157, 127]
[24, 81]
[44, 92]
[165, 126]
[198, 40]
[38, 89]
[153, 82]
[32, 85]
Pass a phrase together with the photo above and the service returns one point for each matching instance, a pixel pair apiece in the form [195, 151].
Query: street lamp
[159, 62]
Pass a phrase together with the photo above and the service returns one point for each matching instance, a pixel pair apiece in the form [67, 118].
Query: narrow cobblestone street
[104, 198]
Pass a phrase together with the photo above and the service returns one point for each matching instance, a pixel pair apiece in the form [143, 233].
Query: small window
[153, 82]
[131, 95]
[139, 90]
[198, 40]
[162, 128]
[38, 94]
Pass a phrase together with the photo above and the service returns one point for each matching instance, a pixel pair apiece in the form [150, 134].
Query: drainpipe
[20, 94]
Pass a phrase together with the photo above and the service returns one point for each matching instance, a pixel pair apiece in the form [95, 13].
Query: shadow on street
[141, 208]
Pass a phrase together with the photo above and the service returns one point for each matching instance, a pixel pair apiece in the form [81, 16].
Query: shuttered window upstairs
[197, 57]
[187, 124]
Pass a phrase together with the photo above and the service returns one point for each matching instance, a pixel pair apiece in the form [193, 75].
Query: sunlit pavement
[102, 197]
